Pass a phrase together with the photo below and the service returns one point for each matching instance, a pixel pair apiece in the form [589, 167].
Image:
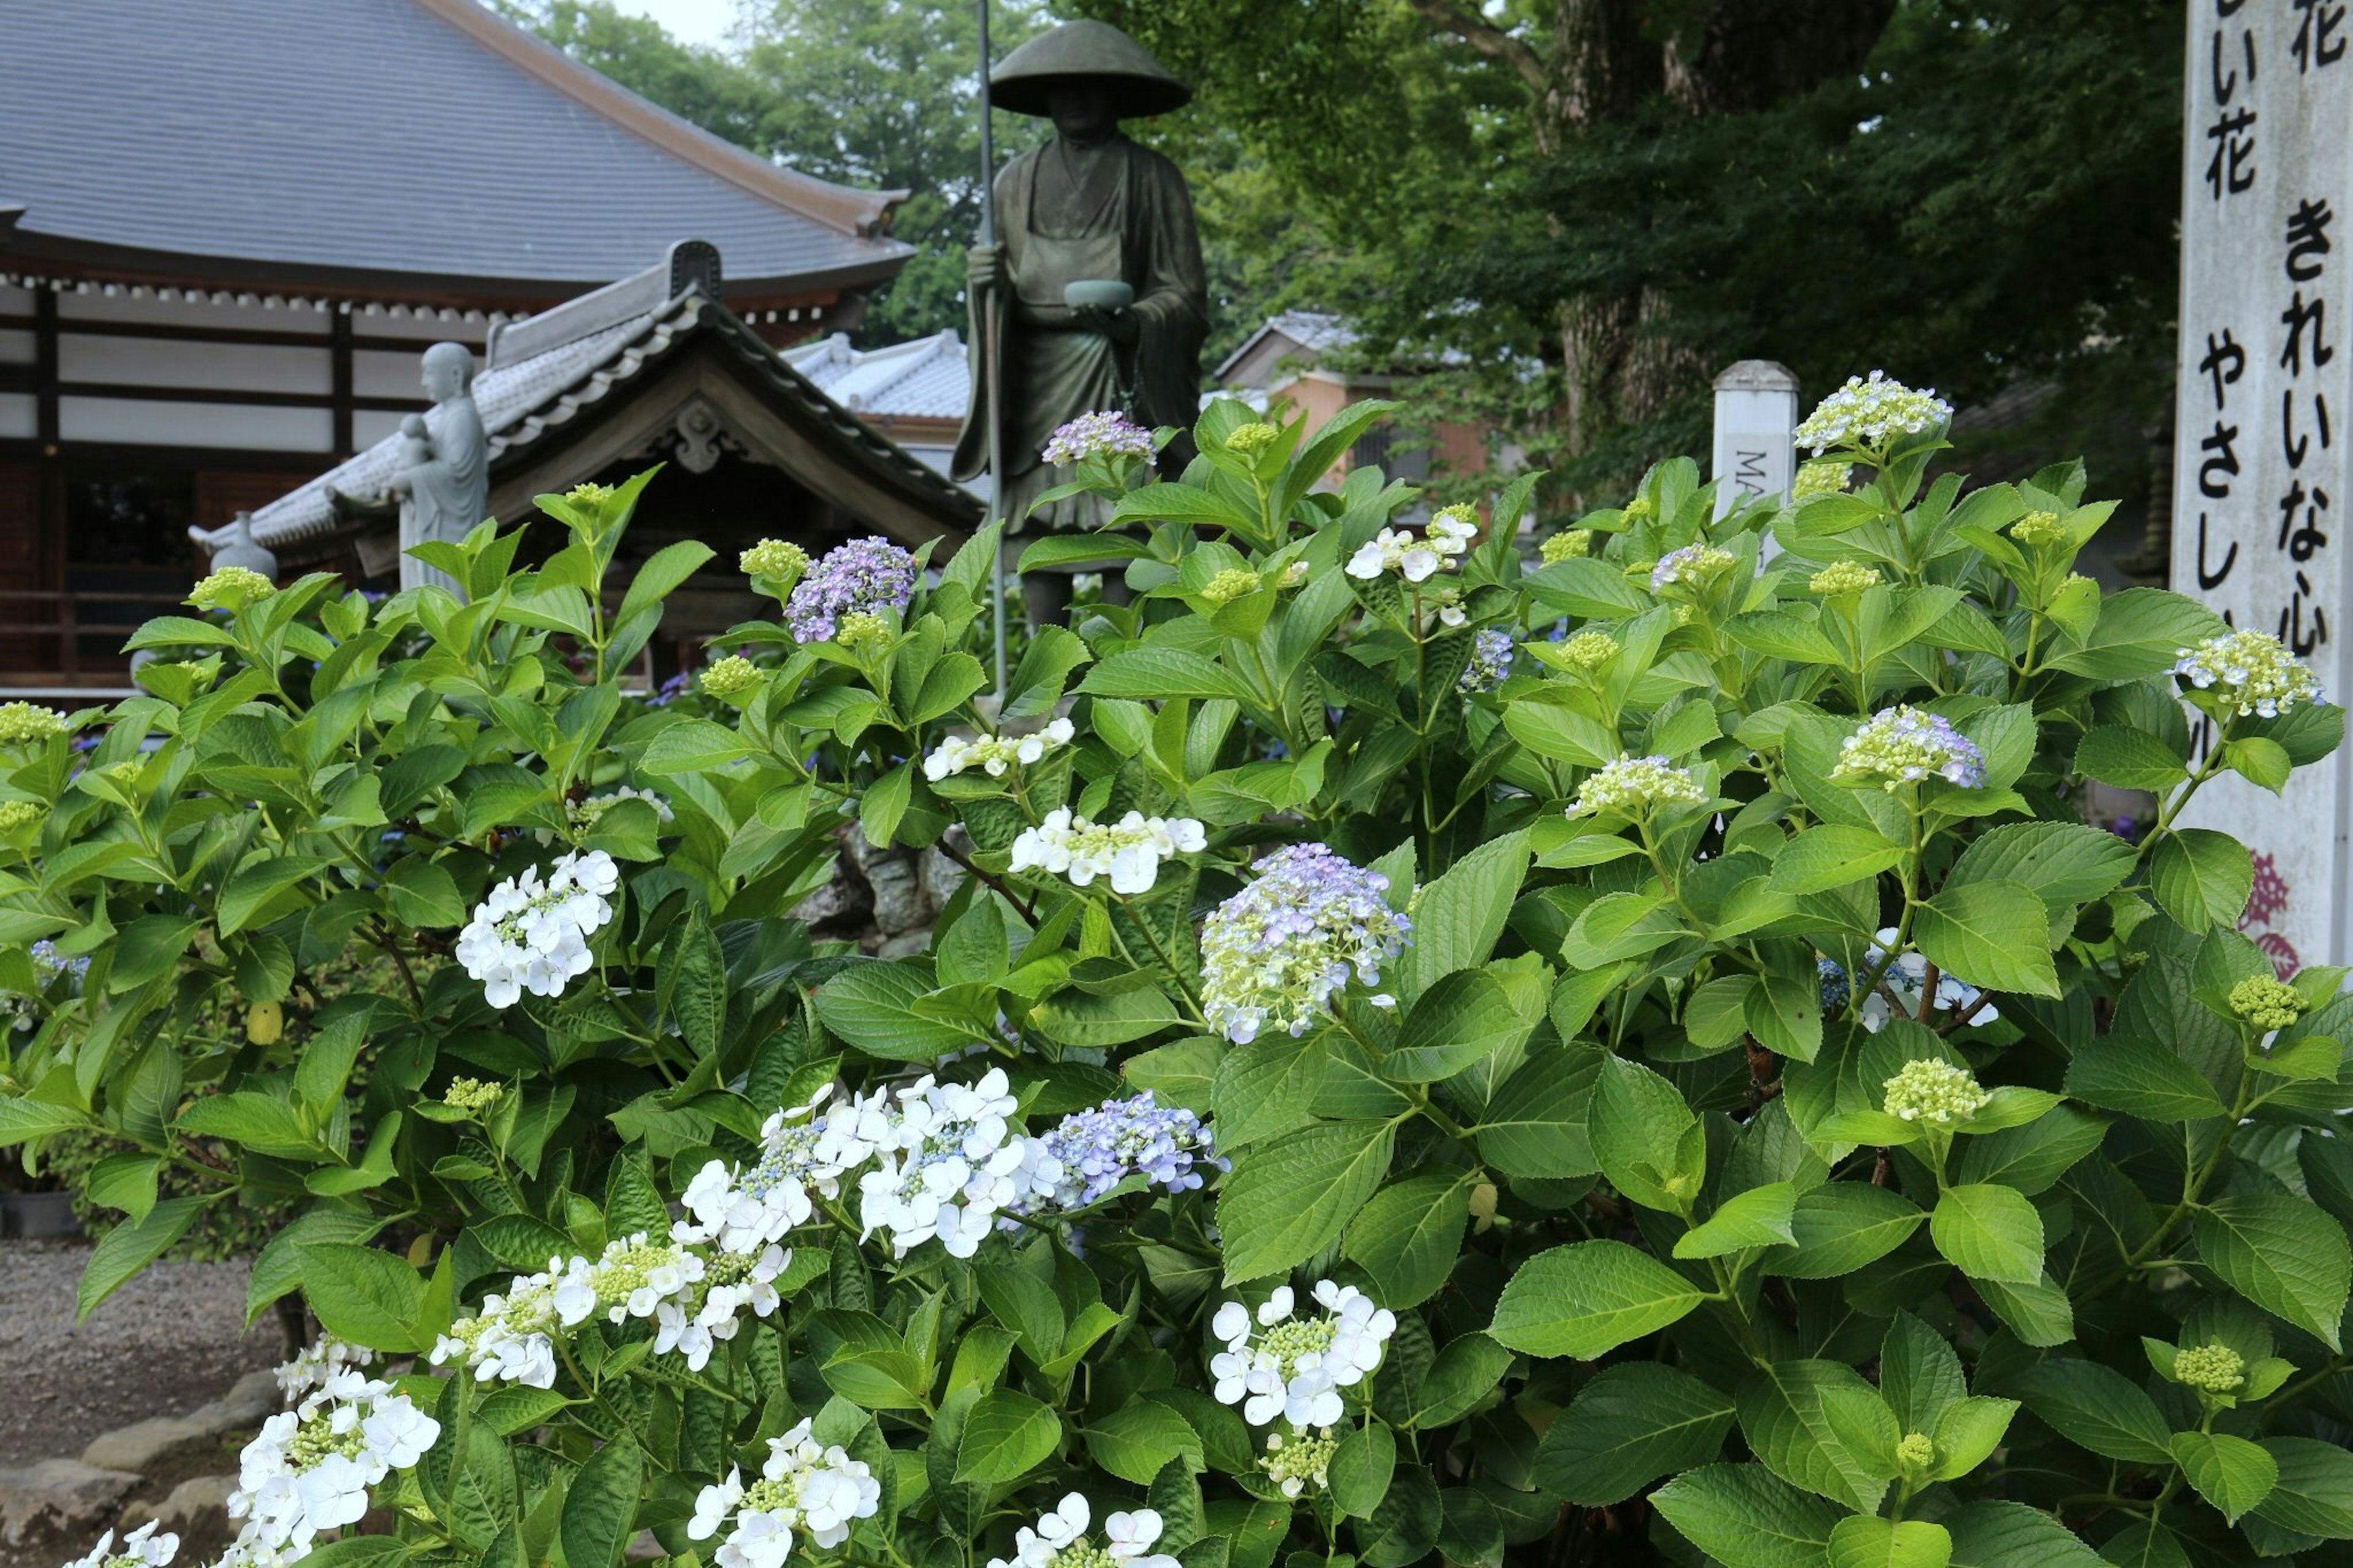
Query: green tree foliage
[875, 93]
[1970, 191]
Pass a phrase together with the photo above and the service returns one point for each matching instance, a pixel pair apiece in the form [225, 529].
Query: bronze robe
[1055, 369]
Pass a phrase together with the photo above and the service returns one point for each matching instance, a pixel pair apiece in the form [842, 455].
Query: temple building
[228, 230]
[915, 393]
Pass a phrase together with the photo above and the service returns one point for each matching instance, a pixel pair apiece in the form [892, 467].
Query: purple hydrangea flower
[1277, 951]
[865, 576]
[1105, 432]
[1091, 1152]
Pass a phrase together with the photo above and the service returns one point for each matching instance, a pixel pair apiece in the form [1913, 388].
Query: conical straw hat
[1087, 51]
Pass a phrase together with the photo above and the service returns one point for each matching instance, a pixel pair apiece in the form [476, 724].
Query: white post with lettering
[2266, 393]
[1755, 410]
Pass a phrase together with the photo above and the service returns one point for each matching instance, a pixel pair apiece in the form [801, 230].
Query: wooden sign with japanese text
[2266, 393]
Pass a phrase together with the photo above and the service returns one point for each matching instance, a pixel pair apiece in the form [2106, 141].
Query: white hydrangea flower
[1060, 1540]
[1129, 851]
[804, 1149]
[817, 1490]
[994, 755]
[513, 1338]
[314, 1365]
[531, 935]
[951, 1162]
[1294, 1368]
[310, 1468]
[732, 1282]
[1448, 535]
[143, 1548]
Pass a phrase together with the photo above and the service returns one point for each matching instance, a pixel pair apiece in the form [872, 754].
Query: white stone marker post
[2265, 409]
[1755, 410]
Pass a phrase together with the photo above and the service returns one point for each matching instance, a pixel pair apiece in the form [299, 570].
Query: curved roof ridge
[858, 213]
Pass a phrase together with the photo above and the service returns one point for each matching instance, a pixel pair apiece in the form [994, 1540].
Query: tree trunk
[1736, 57]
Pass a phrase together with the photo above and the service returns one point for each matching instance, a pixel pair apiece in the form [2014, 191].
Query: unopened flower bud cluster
[1251, 439]
[2266, 1003]
[1844, 577]
[730, 677]
[1822, 477]
[231, 588]
[29, 724]
[1233, 582]
[2213, 1368]
[1589, 650]
[1929, 1090]
[2038, 528]
[775, 558]
[1568, 544]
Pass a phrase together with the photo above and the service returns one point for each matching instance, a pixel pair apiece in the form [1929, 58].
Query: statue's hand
[985, 267]
[1120, 326]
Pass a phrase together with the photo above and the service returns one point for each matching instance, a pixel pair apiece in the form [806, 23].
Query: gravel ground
[165, 1343]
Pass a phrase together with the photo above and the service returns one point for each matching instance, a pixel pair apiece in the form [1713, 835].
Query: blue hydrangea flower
[865, 576]
[1490, 661]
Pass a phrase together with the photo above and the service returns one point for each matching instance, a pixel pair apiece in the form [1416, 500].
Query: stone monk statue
[443, 480]
[1089, 206]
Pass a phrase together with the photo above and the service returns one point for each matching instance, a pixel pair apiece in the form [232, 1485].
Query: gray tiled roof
[524, 399]
[924, 378]
[420, 138]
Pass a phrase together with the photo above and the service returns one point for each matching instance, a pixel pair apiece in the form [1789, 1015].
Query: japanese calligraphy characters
[2264, 390]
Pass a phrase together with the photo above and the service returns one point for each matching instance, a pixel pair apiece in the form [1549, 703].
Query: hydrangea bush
[1599, 1049]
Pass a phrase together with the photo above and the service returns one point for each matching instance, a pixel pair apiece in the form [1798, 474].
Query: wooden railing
[71, 638]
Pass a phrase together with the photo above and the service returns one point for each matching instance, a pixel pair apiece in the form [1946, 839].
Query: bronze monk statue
[1089, 206]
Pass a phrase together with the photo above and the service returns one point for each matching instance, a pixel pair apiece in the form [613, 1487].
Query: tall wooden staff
[991, 362]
